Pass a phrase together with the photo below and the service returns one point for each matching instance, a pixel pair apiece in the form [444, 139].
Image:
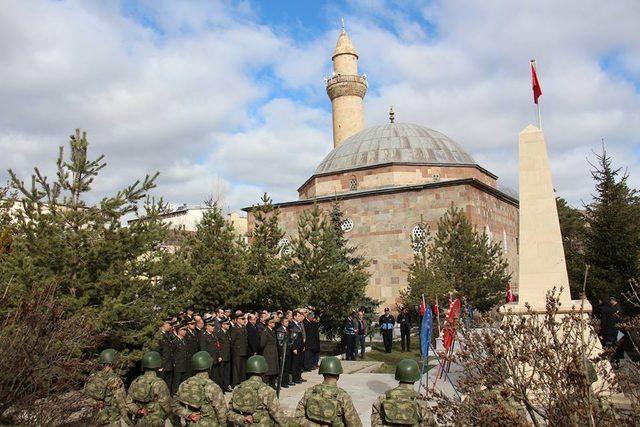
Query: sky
[227, 99]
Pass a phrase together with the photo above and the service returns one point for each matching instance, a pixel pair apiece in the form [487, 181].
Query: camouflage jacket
[114, 407]
[268, 410]
[346, 413]
[424, 412]
[213, 408]
[157, 403]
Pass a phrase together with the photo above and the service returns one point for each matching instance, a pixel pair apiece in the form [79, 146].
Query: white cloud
[201, 92]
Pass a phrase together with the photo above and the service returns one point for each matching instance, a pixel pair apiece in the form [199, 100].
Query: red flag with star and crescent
[537, 89]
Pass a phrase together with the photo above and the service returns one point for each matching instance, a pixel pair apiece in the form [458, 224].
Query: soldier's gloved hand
[143, 412]
[248, 419]
[100, 404]
[195, 417]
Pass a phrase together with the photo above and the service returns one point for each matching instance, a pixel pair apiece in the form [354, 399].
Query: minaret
[346, 89]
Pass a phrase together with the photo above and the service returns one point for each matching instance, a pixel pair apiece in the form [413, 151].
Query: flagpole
[535, 67]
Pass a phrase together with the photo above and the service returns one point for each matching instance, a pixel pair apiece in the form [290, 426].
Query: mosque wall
[389, 176]
[381, 226]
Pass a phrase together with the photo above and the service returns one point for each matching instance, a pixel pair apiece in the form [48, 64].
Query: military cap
[182, 325]
[189, 321]
[225, 320]
[207, 318]
[239, 314]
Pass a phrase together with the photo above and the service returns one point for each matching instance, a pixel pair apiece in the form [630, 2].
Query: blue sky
[227, 98]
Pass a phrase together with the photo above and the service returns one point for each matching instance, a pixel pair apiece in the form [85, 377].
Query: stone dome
[394, 143]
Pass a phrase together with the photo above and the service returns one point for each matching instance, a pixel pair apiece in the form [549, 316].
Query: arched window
[418, 238]
[504, 241]
[353, 183]
[285, 246]
[347, 225]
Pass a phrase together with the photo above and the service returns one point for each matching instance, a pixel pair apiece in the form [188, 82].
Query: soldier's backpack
[400, 407]
[323, 405]
[191, 392]
[245, 398]
[97, 386]
[141, 389]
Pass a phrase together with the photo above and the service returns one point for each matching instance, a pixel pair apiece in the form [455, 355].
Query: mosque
[391, 178]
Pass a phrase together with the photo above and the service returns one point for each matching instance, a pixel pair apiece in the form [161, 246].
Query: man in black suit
[166, 351]
[239, 349]
[181, 358]
[297, 346]
[222, 371]
[253, 335]
[312, 333]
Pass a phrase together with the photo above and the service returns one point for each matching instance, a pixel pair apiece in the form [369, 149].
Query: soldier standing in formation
[180, 358]
[167, 338]
[402, 405]
[200, 401]
[191, 339]
[224, 367]
[209, 343]
[149, 395]
[238, 350]
[106, 392]
[254, 402]
[326, 403]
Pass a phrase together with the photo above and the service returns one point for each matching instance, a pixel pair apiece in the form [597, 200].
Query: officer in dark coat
[191, 338]
[297, 346]
[387, 323]
[312, 344]
[222, 371]
[209, 343]
[166, 340]
[253, 336]
[284, 352]
[181, 358]
[239, 350]
[269, 349]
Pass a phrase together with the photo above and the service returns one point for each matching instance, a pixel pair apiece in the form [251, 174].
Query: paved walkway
[359, 381]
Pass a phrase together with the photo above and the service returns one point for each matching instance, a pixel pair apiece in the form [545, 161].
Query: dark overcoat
[269, 347]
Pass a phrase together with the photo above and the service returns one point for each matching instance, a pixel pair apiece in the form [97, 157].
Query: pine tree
[612, 238]
[217, 257]
[572, 227]
[327, 268]
[267, 259]
[99, 266]
[460, 259]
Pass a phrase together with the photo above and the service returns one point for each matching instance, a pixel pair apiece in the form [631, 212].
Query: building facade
[393, 179]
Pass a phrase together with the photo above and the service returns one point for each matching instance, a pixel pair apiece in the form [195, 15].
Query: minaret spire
[346, 89]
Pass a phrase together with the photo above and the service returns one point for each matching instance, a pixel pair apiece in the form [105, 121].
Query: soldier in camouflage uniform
[199, 401]
[106, 392]
[402, 405]
[149, 394]
[327, 404]
[253, 401]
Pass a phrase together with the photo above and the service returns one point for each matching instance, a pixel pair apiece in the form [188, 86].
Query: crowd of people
[288, 340]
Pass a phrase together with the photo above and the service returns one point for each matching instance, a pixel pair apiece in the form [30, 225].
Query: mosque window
[347, 225]
[353, 184]
[504, 241]
[285, 246]
[418, 238]
[436, 177]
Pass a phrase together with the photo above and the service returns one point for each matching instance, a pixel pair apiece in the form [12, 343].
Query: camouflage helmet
[151, 360]
[108, 356]
[407, 371]
[330, 365]
[257, 365]
[201, 361]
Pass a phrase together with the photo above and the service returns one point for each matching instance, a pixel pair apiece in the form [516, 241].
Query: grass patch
[389, 360]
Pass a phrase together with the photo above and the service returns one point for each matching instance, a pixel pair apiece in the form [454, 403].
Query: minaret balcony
[342, 85]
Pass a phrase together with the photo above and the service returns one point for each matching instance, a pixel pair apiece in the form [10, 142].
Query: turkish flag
[450, 325]
[435, 309]
[423, 307]
[510, 296]
[537, 89]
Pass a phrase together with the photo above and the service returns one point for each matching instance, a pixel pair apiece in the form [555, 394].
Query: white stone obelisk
[541, 261]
